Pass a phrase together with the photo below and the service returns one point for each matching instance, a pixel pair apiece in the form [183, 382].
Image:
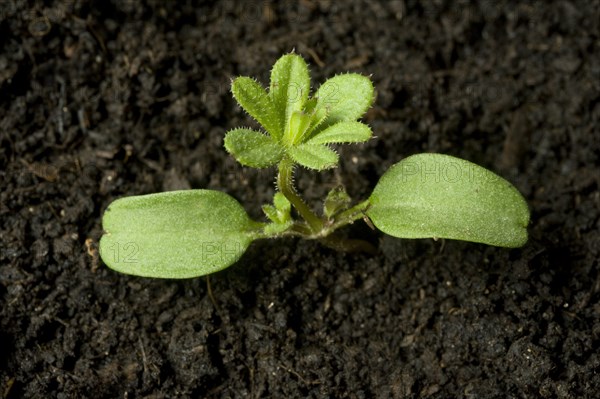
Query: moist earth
[106, 99]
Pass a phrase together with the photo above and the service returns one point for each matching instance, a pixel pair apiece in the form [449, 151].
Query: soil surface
[106, 99]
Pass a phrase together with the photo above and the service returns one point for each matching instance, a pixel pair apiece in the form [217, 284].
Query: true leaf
[273, 229]
[252, 148]
[337, 200]
[283, 206]
[343, 98]
[434, 195]
[253, 98]
[271, 212]
[176, 234]
[290, 84]
[297, 127]
[343, 132]
[279, 212]
[314, 156]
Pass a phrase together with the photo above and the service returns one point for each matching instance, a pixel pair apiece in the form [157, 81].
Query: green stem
[286, 186]
[350, 215]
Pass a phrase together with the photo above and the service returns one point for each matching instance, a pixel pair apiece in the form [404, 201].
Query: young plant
[192, 233]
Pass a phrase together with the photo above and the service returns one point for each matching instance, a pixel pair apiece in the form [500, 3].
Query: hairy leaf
[343, 132]
[271, 212]
[337, 200]
[297, 127]
[435, 195]
[274, 229]
[279, 212]
[253, 98]
[176, 234]
[343, 98]
[314, 156]
[283, 206]
[252, 148]
[290, 84]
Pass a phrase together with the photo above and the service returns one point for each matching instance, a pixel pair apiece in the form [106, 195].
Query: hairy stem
[286, 186]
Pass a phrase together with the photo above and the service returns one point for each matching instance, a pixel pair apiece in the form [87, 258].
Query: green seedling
[192, 233]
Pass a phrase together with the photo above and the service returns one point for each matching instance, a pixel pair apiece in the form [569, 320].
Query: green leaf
[337, 200]
[279, 214]
[178, 234]
[314, 156]
[283, 206]
[253, 98]
[271, 212]
[252, 148]
[296, 128]
[343, 98]
[290, 85]
[274, 229]
[439, 196]
[343, 132]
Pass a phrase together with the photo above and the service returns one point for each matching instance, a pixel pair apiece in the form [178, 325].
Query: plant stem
[286, 186]
[350, 215]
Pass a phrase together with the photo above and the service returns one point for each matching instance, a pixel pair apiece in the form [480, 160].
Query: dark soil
[113, 98]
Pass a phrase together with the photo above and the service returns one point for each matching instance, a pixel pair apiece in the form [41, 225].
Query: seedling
[192, 233]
